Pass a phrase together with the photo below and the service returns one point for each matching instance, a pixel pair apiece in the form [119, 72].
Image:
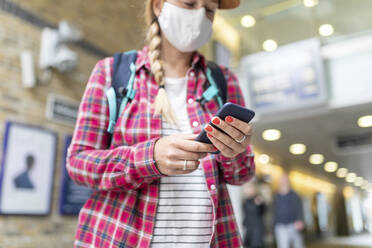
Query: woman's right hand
[170, 153]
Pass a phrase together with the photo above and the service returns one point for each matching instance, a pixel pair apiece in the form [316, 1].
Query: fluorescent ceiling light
[316, 159]
[271, 134]
[330, 166]
[297, 149]
[248, 21]
[311, 3]
[326, 30]
[342, 172]
[350, 178]
[264, 159]
[270, 45]
[365, 121]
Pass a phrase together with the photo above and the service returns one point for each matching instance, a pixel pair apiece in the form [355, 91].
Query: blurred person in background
[155, 186]
[288, 216]
[254, 209]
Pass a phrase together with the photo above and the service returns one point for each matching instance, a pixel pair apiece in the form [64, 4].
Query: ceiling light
[342, 172]
[270, 45]
[311, 3]
[358, 181]
[330, 166]
[365, 121]
[248, 21]
[326, 30]
[316, 159]
[350, 178]
[297, 149]
[271, 134]
[264, 159]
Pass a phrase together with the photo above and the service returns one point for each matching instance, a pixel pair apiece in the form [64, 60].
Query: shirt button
[190, 101]
[195, 124]
[213, 187]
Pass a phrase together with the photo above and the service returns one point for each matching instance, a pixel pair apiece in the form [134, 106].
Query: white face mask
[187, 30]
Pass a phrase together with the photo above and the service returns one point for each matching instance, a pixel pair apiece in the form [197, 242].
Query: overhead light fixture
[316, 159]
[358, 181]
[270, 45]
[330, 166]
[248, 21]
[271, 134]
[311, 3]
[342, 172]
[350, 177]
[365, 121]
[326, 30]
[264, 159]
[297, 149]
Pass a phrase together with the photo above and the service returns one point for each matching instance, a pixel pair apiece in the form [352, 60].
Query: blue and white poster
[27, 170]
[286, 79]
[73, 196]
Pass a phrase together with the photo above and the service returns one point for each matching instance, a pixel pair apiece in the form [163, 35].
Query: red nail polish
[216, 121]
[208, 128]
[209, 135]
[215, 148]
[229, 119]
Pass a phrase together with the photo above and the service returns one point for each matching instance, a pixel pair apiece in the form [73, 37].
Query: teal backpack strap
[213, 90]
[130, 92]
[121, 90]
[218, 85]
[111, 98]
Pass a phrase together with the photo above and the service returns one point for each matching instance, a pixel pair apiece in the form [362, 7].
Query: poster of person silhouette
[27, 170]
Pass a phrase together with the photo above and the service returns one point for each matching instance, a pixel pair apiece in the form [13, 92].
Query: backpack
[122, 79]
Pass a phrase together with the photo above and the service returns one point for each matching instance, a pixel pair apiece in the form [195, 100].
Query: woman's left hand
[238, 136]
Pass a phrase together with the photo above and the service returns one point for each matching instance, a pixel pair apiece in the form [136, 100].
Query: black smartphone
[228, 109]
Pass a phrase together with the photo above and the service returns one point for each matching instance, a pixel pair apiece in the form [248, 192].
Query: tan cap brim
[229, 4]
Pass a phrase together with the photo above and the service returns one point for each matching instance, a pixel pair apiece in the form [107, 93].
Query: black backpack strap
[121, 75]
[219, 79]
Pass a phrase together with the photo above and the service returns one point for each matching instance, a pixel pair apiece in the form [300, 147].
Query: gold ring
[185, 165]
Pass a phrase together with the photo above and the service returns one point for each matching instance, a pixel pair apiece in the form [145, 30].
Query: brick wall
[109, 27]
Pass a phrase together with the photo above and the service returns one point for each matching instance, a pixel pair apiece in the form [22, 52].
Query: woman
[254, 209]
[155, 186]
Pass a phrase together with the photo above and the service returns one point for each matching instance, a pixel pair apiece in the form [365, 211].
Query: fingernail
[209, 135]
[216, 121]
[215, 148]
[208, 128]
[229, 119]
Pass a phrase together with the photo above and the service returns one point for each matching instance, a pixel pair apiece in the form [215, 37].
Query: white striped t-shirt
[184, 214]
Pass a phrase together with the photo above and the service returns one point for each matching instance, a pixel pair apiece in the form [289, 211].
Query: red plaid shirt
[121, 211]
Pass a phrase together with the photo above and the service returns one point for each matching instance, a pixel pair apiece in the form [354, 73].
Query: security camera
[69, 32]
[54, 53]
[65, 60]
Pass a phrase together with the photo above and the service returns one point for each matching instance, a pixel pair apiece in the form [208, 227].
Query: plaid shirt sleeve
[90, 162]
[241, 168]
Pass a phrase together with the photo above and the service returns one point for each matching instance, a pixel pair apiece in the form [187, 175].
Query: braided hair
[162, 105]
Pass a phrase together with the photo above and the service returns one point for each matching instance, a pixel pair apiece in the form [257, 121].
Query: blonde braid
[162, 105]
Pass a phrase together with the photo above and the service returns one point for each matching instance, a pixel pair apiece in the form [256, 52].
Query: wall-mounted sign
[72, 196]
[27, 171]
[61, 109]
[289, 78]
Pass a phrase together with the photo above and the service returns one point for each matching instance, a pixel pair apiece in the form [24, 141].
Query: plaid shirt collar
[143, 60]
